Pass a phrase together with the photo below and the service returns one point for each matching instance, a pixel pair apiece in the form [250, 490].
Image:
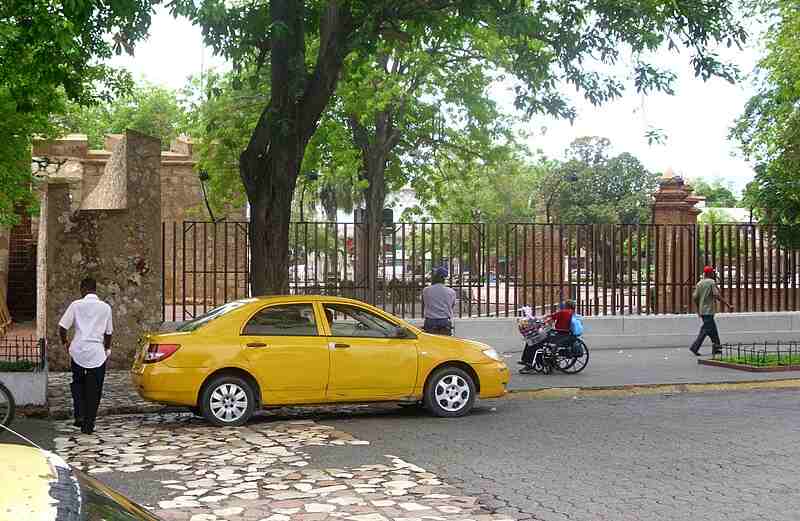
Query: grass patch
[766, 360]
[20, 366]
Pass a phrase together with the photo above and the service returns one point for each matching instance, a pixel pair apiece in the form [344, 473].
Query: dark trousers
[708, 329]
[87, 387]
[553, 337]
[438, 326]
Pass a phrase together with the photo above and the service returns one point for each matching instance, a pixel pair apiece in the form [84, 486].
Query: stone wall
[119, 247]
[181, 193]
[207, 252]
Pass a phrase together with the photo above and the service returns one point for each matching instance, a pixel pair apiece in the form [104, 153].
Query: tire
[7, 406]
[579, 363]
[450, 392]
[228, 401]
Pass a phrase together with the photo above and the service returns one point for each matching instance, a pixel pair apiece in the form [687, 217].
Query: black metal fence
[22, 353]
[495, 269]
[781, 354]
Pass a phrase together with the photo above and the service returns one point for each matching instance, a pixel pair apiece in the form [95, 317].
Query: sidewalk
[608, 368]
[647, 366]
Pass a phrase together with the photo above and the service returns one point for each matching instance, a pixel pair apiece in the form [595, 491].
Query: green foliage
[591, 187]
[715, 216]
[309, 45]
[717, 192]
[152, 110]
[19, 366]
[757, 359]
[499, 190]
[769, 129]
[51, 52]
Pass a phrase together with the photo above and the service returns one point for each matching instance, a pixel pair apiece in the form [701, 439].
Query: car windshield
[202, 320]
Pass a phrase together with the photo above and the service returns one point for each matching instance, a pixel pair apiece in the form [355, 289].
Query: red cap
[708, 269]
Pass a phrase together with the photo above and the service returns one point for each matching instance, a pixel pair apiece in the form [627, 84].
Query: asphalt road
[713, 456]
[727, 456]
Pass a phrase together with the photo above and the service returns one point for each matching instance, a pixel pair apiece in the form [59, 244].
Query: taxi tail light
[159, 352]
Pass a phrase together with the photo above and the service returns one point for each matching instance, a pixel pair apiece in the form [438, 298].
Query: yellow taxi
[275, 351]
[40, 486]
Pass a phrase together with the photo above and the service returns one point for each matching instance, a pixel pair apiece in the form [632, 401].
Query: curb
[653, 389]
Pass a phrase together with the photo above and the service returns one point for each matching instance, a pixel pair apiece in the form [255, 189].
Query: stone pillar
[675, 261]
[115, 238]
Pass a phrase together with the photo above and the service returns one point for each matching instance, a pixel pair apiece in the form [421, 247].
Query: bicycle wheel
[578, 363]
[7, 406]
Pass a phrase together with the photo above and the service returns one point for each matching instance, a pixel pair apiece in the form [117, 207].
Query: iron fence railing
[22, 353]
[762, 354]
[494, 268]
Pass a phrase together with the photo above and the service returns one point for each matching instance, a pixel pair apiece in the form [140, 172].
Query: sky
[695, 120]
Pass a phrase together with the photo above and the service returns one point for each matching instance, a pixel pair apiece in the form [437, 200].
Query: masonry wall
[119, 247]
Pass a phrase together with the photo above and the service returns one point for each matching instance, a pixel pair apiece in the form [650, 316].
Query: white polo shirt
[92, 320]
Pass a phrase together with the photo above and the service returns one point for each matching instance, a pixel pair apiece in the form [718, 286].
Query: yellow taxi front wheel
[450, 392]
[228, 401]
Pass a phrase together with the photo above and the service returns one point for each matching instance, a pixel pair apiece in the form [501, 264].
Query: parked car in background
[39, 485]
[304, 349]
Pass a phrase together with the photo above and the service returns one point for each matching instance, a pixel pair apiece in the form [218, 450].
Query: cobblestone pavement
[717, 456]
[119, 396]
[262, 471]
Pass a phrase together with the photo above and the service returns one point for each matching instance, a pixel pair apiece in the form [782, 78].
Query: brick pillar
[544, 269]
[675, 262]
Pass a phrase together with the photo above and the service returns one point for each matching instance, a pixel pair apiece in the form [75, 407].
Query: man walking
[438, 302]
[705, 295]
[88, 351]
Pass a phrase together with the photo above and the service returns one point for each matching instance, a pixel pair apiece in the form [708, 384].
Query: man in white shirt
[88, 351]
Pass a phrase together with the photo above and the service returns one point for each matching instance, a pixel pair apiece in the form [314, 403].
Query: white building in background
[731, 215]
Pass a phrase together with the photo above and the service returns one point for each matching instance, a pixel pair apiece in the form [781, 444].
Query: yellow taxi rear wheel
[450, 392]
[228, 401]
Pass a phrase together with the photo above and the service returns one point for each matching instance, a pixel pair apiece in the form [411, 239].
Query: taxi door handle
[256, 344]
[337, 345]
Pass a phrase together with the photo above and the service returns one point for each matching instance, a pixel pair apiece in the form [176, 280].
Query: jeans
[87, 388]
[438, 326]
[708, 329]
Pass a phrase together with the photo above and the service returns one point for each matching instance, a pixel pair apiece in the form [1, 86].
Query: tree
[152, 110]
[768, 131]
[429, 98]
[306, 44]
[595, 188]
[717, 193]
[498, 190]
[50, 52]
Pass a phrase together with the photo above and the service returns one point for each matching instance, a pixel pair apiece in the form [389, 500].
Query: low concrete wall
[619, 332]
[27, 388]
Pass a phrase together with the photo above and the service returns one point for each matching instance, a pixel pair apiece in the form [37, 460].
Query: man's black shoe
[695, 352]
[87, 429]
[78, 422]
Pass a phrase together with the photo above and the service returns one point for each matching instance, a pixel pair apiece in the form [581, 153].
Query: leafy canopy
[52, 51]
[769, 129]
[717, 192]
[593, 187]
[152, 110]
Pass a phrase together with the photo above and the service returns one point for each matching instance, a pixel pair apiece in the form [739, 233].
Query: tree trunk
[375, 150]
[375, 198]
[270, 164]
